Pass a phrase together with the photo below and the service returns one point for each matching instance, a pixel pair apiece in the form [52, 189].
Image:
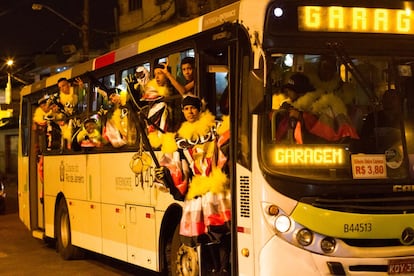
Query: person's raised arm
[178, 86]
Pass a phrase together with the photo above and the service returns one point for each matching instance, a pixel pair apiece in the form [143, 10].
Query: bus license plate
[400, 266]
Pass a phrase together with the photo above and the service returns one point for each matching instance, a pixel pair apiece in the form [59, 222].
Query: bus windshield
[339, 117]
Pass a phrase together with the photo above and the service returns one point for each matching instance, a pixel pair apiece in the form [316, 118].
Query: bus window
[218, 75]
[355, 109]
[213, 78]
[109, 80]
[119, 120]
[179, 82]
[98, 99]
[135, 79]
[185, 71]
[169, 85]
[81, 92]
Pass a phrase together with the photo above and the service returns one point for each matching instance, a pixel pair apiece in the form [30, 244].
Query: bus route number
[357, 227]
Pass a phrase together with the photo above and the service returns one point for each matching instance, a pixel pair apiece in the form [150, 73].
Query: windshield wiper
[350, 66]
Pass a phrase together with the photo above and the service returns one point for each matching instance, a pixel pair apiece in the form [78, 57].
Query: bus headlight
[328, 244]
[282, 223]
[304, 237]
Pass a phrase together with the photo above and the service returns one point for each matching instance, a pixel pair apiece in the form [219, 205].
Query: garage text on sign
[301, 156]
[356, 19]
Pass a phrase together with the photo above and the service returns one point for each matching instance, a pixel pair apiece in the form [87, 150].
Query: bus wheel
[183, 258]
[63, 234]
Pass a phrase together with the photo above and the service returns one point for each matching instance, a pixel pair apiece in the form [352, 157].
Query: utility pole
[85, 31]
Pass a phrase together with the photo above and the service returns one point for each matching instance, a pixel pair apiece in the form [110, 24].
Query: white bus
[321, 161]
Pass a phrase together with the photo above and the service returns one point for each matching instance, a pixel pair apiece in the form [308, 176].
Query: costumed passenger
[143, 77]
[43, 124]
[67, 96]
[327, 78]
[41, 113]
[201, 141]
[89, 136]
[313, 116]
[116, 128]
[138, 82]
[156, 111]
[67, 102]
[188, 71]
[160, 76]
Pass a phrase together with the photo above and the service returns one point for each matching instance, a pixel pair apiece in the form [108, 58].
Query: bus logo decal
[407, 236]
[402, 188]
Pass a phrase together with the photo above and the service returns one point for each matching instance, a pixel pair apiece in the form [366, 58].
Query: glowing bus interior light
[302, 156]
[278, 12]
[288, 60]
[355, 19]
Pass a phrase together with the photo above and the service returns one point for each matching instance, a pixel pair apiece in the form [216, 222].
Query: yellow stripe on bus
[352, 225]
[176, 33]
[226, 14]
[52, 80]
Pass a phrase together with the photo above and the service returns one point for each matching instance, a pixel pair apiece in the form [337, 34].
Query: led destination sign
[355, 19]
[309, 156]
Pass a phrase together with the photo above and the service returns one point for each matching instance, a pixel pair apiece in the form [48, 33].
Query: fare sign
[368, 166]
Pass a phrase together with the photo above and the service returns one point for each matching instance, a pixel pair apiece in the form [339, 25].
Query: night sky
[26, 33]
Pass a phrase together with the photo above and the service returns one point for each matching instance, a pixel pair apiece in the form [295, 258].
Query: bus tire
[63, 234]
[183, 258]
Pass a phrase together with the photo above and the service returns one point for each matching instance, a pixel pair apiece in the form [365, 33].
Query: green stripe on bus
[352, 225]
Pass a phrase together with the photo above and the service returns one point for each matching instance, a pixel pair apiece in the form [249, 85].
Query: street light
[84, 29]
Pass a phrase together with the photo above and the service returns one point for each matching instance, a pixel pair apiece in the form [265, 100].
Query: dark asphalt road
[21, 254]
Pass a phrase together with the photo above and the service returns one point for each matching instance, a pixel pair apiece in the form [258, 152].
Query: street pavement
[22, 254]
